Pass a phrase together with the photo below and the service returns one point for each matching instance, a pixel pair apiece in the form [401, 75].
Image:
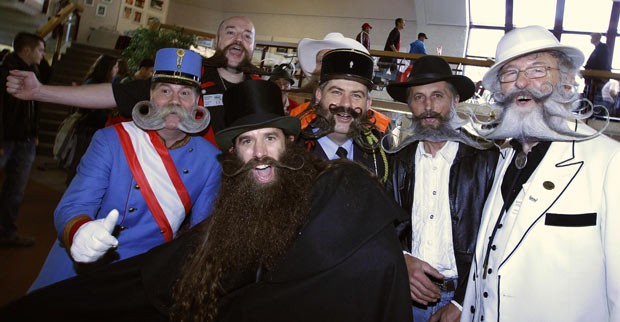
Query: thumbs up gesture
[94, 238]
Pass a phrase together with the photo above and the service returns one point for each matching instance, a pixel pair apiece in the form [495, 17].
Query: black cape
[346, 265]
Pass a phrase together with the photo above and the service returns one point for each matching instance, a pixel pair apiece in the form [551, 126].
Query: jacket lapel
[546, 185]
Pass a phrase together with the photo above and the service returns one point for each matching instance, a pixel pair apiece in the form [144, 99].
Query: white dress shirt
[431, 221]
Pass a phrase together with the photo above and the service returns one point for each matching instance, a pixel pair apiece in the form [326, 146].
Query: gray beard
[548, 121]
[450, 129]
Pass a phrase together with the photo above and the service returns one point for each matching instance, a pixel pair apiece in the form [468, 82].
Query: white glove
[93, 239]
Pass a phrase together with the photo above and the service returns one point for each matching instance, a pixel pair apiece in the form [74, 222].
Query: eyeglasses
[533, 72]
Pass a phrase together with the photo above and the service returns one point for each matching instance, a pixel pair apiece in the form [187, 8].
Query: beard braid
[148, 117]
[325, 123]
[219, 60]
[450, 128]
[547, 121]
[251, 225]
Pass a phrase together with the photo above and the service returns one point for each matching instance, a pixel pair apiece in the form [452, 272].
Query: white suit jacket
[560, 261]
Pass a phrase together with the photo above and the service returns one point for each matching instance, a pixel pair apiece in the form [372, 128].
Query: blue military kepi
[350, 64]
[177, 66]
[251, 105]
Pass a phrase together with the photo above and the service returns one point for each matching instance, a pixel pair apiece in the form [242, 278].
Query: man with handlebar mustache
[343, 127]
[138, 182]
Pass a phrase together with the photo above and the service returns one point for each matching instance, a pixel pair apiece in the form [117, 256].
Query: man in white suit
[548, 243]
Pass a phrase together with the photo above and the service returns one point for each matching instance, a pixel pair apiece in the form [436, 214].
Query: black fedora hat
[431, 69]
[254, 104]
[350, 64]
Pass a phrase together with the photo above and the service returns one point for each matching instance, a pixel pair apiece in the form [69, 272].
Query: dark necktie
[341, 152]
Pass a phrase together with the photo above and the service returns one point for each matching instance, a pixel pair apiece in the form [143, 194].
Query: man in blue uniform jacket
[139, 182]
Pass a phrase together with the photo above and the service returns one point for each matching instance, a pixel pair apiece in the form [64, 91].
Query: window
[590, 15]
[534, 12]
[575, 23]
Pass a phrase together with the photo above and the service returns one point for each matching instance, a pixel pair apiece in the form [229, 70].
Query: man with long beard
[139, 181]
[547, 247]
[341, 125]
[291, 238]
[441, 176]
[229, 65]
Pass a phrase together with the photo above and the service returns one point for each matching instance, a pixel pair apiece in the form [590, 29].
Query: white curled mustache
[147, 117]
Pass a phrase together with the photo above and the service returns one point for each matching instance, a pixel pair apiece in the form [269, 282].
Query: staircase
[71, 68]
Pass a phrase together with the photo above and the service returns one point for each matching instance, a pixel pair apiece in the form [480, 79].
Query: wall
[90, 20]
[291, 20]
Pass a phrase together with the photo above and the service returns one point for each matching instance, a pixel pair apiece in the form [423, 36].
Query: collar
[447, 152]
[330, 147]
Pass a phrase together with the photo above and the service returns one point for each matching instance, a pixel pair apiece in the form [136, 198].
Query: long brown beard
[252, 225]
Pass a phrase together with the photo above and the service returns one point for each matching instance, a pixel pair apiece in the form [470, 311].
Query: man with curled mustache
[342, 126]
[441, 175]
[547, 246]
[139, 182]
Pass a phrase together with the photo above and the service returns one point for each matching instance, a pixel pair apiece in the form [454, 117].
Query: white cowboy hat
[523, 41]
[308, 48]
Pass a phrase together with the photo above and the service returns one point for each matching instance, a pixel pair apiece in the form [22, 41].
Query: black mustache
[337, 109]
[251, 164]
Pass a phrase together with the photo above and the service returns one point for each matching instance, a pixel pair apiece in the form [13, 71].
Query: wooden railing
[55, 22]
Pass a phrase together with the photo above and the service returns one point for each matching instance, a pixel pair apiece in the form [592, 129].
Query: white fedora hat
[308, 48]
[523, 41]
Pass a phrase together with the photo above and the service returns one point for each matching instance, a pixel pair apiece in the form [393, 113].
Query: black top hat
[348, 64]
[431, 69]
[254, 104]
[282, 71]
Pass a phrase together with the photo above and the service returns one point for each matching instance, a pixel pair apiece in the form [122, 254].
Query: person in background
[231, 64]
[310, 53]
[610, 96]
[441, 175]
[282, 77]
[599, 60]
[103, 71]
[291, 238]
[19, 130]
[363, 37]
[418, 47]
[547, 245]
[139, 182]
[145, 71]
[392, 43]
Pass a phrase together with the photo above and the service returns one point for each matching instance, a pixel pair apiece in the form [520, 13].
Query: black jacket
[345, 265]
[19, 119]
[471, 178]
